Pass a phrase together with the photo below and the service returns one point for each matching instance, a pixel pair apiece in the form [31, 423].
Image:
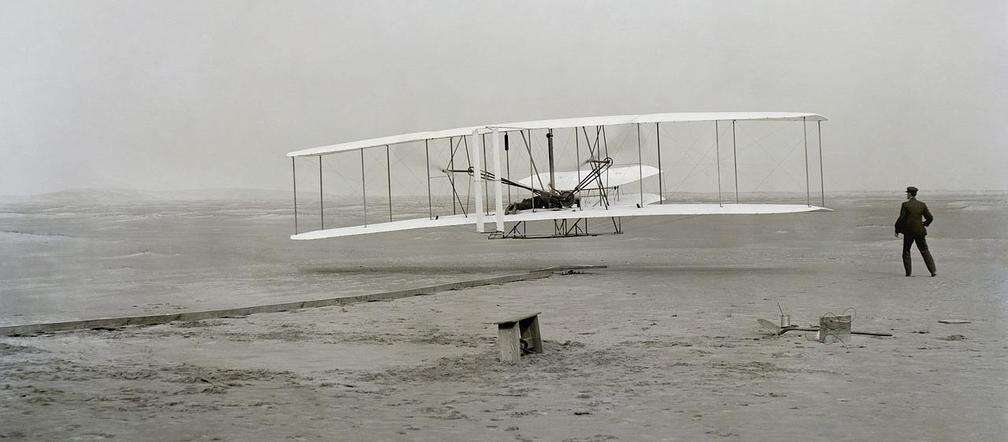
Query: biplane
[602, 184]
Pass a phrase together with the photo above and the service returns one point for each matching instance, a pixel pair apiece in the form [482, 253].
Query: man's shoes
[907, 275]
[934, 274]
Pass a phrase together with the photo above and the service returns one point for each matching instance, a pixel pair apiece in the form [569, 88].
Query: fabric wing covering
[546, 215]
[559, 124]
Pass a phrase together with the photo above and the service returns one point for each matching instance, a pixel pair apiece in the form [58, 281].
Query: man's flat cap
[912, 189]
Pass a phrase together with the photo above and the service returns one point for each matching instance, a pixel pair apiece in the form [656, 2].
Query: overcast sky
[195, 94]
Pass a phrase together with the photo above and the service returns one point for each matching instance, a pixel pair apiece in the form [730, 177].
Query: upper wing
[560, 123]
[568, 180]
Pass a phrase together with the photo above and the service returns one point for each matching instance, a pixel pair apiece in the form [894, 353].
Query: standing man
[913, 230]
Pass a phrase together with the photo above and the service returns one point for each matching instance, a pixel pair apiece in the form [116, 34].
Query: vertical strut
[531, 169]
[661, 191]
[430, 205]
[486, 195]
[498, 186]
[640, 167]
[717, 161]
[469, 184]
[363, 184]
[808, 190]
[320, 197]
[477, 180]
[294, 176]
[507, 158]
[605, 144]
[735, 160]
[388, 174]
[577, 154]
[549, 150]
[451, 165]
[822, 186]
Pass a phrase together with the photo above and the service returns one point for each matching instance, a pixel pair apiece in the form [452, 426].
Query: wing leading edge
[545, 215]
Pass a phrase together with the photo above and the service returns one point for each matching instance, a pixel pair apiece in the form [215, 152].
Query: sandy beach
[662, 344]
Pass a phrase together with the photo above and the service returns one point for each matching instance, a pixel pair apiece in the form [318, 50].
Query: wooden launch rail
[31, 329]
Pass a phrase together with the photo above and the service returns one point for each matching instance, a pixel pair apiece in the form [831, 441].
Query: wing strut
[507, 157]
[549, 148]
[451, 165]
[593, 159]
[451, 179]
[294, 177]
[808, 191]
[717, 161]
[363, 184]
[465, 141]
[498, 186]
[388, 174]
[822, 187]
[321, 198]
[640, 167]
[735, 159]
[486, 195]
[605, 143]
[661, 191]
[430, 205]
[477, 181]
[577, 153]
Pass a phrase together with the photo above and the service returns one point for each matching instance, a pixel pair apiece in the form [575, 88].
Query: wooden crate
[518, 335]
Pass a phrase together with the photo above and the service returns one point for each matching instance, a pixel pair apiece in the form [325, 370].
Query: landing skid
[561, 229]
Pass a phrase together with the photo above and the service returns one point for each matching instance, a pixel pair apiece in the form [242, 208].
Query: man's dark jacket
[909, 221]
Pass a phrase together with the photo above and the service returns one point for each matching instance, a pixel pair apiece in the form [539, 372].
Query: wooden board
[517, 317]
[954, 321]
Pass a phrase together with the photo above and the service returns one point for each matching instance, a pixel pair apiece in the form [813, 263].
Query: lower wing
[572, 213]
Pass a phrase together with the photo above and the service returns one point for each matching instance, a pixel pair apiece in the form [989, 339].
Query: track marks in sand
[104, 387]
[576, 380]
[8, 349]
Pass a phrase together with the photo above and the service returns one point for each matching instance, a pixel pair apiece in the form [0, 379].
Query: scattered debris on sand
[838, 326]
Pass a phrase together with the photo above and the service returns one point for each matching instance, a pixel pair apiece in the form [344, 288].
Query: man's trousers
[908, 240]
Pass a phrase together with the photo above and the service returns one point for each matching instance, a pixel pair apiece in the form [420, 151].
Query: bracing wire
[701, 160]
[779, 163]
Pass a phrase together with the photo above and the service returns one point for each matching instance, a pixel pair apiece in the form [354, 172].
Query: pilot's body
[914, 230]
[559, 201]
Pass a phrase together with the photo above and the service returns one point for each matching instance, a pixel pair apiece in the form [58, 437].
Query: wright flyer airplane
[472, 166]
